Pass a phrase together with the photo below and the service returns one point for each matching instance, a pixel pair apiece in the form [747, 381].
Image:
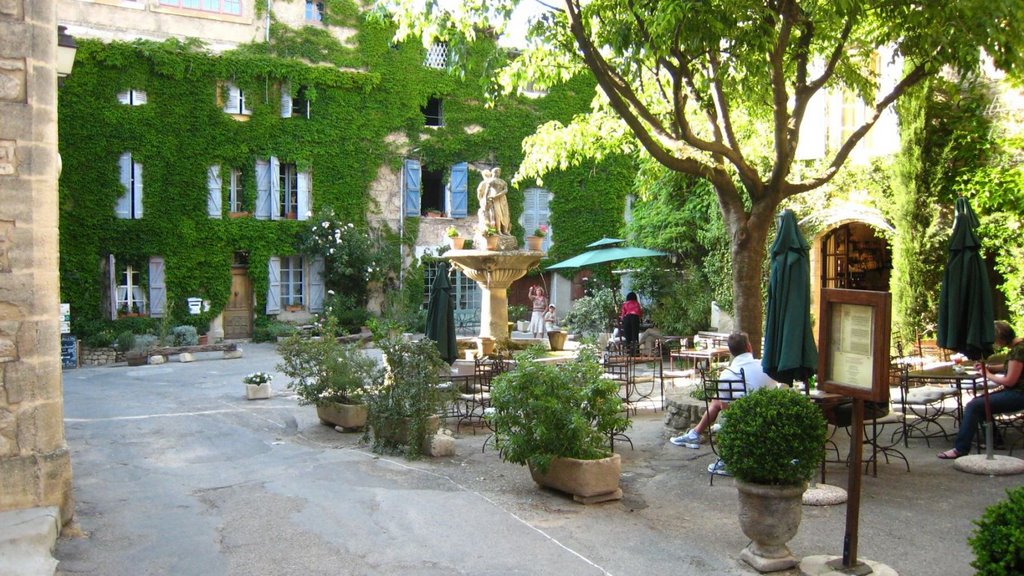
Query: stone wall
[98, 356]
[35, 465]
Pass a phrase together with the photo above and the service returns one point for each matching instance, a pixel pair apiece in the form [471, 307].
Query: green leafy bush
[998, 540]
[592, 315]
[543, 411]
[268, 330]
[408, 394]
[125, 341]
[324, 371]
[184, 336]
[773, 436]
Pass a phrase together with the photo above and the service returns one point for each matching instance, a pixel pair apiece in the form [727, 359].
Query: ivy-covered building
[203, 139]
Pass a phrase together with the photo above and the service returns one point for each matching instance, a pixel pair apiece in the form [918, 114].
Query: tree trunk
[748, 242]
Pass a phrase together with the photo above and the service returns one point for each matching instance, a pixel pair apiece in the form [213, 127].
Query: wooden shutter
[274, 285]
[139, 97]
[111, 285]
[123, 208]
[157, 288]
[137, 189]
[316, 284]
[305, 183]
[458, 187]
[275, 188]
[412, 188]
[286, 100]
[213, 198]
[263, 197]
[231, 102]
[125, 97]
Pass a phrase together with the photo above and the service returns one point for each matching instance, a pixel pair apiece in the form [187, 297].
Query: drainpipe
[401, 228]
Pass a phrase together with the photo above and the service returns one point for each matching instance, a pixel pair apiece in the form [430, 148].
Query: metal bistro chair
[922, 406]
[724, 390]
[475, 393]
[621, 369]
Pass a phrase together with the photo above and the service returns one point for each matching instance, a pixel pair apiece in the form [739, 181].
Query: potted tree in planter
[559, 420]
[408, 397]
[330, 375]
[771, 443]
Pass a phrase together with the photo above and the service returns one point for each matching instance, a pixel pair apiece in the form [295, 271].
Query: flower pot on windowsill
[293, 308]
[456, 242]
[238, 214]
[290, 216]
[535, 243]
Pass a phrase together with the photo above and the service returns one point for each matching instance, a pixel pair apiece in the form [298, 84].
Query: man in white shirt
[743, 359]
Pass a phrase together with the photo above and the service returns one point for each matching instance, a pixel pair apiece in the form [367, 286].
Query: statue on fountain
[492, 196]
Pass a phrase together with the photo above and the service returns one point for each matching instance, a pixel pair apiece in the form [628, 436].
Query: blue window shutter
[274, 285]
[213, 185]
[316, 284]
[112, 283]
[412, 188]
[275, 188]
[263, 199]
[286, 100]
[123, 208]
[459, 187]
[305, 183]
[137, 192]
[157, 288]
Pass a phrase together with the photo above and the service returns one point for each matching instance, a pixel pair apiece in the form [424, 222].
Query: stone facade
[35, 464]
[98, 356]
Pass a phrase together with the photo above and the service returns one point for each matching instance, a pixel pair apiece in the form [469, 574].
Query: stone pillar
[35, 465]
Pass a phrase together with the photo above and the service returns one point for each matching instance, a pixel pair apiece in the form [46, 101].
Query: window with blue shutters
[432, 191]
[129, 204]
[213, 194]
[458, 190]
[536, 212]
[412, 188]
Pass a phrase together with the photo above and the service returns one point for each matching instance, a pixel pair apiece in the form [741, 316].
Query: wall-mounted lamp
[66, 49]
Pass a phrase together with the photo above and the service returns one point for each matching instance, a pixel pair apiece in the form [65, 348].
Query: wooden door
[238, 312]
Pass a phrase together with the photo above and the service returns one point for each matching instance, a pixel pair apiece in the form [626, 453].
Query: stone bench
[186, 353]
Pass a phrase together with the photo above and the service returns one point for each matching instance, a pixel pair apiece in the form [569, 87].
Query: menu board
[68, 351]
[854, 335]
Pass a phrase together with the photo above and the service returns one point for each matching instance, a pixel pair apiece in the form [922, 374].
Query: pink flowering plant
[541, 231]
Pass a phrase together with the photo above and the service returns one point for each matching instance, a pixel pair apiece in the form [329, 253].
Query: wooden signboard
[853, 339]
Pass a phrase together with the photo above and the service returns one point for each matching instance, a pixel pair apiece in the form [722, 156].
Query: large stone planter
[397, 431]
[589, 481]
[346, 416]
[257, 391]
[770, 517]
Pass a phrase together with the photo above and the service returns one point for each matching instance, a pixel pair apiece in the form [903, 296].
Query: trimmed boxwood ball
[772, 436]
[998, 541]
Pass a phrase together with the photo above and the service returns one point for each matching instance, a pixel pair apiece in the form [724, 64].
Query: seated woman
[1007, 397]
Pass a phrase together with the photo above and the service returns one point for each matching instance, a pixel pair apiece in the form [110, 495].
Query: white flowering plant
[257, 378]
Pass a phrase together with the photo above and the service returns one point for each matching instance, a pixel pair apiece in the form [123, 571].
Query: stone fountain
[494, 270]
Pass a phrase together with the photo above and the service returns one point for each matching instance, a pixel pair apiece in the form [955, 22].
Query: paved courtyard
[176, 473]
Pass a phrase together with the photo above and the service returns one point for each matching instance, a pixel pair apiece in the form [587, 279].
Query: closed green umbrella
[441, 315]
[965, 303]
[789, 351]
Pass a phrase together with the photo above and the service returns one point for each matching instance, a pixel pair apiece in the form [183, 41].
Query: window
[295, 282]
[536, 212]
[437, 56]
[132, 97]
[236, 196]
[426, 190]
[127, 287]
[234, 100]
[433, 112]
[282, 191]
[297, 105]
[292, 293]
[466, 294]
[216, 6]
[129, 205]
[289, 191]
[314, 11]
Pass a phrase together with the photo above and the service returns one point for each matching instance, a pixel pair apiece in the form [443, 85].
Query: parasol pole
[988, 410]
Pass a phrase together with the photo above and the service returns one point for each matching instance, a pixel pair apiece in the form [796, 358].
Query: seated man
[743, 359]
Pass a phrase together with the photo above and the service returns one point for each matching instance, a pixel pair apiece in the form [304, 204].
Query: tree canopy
[720, 88]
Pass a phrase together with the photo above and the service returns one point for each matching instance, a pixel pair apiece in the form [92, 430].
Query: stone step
[27, 539]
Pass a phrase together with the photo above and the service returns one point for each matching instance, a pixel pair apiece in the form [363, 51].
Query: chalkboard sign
[68, 351]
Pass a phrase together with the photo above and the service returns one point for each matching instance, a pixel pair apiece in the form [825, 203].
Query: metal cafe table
[962, 379]
[694, 355]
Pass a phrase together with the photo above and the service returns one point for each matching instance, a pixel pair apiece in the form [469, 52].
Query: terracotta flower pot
[456, 242]
[556, 338]
[589, 481]
[534, 243]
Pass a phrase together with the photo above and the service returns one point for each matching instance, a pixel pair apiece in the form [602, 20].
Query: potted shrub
[408, 397]
[771, 442]
[330, 375]
[257, 385]
[558, 421]
[454, 240]
[998, 540]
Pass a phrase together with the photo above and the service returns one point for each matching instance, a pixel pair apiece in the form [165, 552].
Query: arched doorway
[852, 256]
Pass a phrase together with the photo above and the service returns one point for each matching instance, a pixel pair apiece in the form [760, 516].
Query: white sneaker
[718, 468]
[691, 440]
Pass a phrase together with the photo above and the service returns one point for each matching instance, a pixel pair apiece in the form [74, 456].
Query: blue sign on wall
[68, 351]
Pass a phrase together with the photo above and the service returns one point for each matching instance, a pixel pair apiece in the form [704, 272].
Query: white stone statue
[492, 195]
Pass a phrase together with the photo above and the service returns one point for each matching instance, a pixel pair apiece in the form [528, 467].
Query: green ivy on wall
[372, 91]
